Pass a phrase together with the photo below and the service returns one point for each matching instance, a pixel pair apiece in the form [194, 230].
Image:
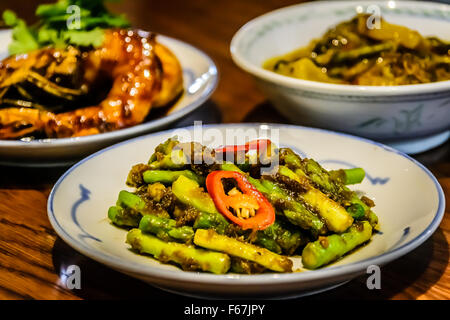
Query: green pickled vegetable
[367, 51]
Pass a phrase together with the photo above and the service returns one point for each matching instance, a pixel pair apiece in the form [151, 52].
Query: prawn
[143, 72]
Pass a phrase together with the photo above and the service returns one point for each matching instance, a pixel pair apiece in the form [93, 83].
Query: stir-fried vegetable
[352, 53]
[189, 213]
[348, 176]
[168, 177]
[330, 184]
[330, 248]
[189, 257]
[211, 240]
[335, 216]
[166, 229]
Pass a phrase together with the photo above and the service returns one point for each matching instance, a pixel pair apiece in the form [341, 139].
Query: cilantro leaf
[54, 27]
[23, 37]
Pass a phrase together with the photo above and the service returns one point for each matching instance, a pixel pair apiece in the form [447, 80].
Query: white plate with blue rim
[409, 203]
[200, 80]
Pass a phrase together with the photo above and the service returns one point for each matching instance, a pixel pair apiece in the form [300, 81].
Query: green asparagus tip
[354, 176]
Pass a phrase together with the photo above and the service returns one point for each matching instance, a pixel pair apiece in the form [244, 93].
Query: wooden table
[32, 255]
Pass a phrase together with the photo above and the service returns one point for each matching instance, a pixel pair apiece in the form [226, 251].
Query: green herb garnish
[66, 22]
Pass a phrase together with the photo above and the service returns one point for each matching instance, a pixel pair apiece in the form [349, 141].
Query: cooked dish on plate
[359, 52]
[194, 207]
[67, 80]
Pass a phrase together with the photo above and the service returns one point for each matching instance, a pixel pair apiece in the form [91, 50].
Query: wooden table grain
[32, 256]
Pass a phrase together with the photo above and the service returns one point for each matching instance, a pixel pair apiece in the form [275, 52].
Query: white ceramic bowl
[200, 80]
[409, 203]
[411, 117]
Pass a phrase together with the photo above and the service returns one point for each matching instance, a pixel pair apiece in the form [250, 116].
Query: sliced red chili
[259, 145]
[250, 199]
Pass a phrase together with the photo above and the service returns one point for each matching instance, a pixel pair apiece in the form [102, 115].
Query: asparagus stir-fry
[191, 208]
[353, 52]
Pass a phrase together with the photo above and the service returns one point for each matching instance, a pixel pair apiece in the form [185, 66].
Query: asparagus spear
[211, 240]
[157, 201]
[311, 169]
[279, 234]
[214, 221]
[168, 177]
[266, 242]
[166, 229]
[336, 217]
[325, 182]
[189, 257]
[189, 192]
[123, 217]
[239, 265]
[330, 248]
[293, 210]
[130, 207]
[357, 211]
[348, 176]
[128, 210]
[129, 200]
